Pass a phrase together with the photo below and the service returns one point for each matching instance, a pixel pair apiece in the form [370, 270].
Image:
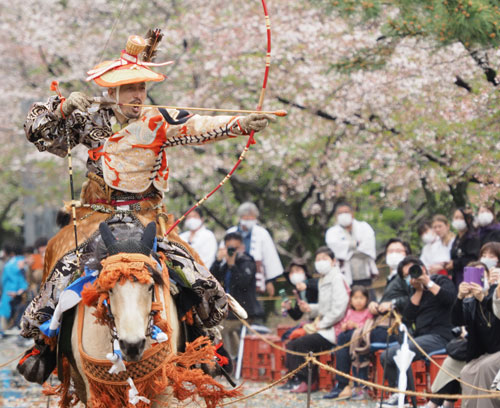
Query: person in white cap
[260, 245]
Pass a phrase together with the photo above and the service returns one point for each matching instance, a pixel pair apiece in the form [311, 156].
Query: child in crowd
[351, 327]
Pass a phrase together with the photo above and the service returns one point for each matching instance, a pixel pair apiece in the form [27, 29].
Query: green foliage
[365, 58]
[471, 22]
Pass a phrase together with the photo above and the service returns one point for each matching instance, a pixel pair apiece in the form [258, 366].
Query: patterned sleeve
[199, 130]
[47, 131]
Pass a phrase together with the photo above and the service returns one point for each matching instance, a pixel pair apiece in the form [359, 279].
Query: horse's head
[128, 275]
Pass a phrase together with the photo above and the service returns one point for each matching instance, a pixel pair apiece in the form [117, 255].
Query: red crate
[419, 369]
[433, 370]
[325, 377]
[259, 360]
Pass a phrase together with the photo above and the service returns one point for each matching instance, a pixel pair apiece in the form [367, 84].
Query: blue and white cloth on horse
[69, 298]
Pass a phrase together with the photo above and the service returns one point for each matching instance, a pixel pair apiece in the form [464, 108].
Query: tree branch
[210, 213]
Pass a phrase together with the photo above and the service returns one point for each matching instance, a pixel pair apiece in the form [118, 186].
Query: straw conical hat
[128, 69]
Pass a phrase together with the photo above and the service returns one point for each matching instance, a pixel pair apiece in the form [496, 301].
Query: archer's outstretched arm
[199, 130]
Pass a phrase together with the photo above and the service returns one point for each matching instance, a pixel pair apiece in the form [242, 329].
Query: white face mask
[489, 262]
[485, 218]
[393, 259]
[459, 225]
[344, 219]
[248, 224]
[192, 224]
[323, 267]
[297, 278]
[429, 238]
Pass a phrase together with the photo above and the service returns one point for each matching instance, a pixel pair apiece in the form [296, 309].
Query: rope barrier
[317, 354]
[311, 357]
[285, 377]
[14, 359]
[428, 357]
[490, 394]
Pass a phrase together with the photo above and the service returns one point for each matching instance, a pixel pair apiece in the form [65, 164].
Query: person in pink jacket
[356, 316]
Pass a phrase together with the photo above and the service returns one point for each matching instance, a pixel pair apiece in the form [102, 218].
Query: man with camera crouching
[427, 316]
[236, 270]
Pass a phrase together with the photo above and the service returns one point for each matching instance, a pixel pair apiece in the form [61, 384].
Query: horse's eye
[110, 291]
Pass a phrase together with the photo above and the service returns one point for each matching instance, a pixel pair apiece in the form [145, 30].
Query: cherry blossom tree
[375, 117]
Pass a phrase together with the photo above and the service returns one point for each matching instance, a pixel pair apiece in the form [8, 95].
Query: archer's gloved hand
[255, 121]
[76, 100]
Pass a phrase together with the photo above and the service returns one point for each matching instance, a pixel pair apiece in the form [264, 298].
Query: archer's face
[131, 93]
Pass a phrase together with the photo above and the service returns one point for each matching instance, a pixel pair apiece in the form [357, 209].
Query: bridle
[112, 325]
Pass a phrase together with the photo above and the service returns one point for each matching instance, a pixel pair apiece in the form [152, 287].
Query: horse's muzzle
[132, 351]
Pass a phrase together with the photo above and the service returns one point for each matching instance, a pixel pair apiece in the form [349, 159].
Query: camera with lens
[415, 271]
[231, 251]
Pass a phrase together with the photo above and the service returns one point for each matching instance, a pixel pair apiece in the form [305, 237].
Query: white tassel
[133, 395]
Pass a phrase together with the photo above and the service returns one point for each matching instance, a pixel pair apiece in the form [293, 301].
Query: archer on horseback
[127, 175]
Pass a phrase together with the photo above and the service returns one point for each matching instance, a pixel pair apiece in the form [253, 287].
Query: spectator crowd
[446, 293]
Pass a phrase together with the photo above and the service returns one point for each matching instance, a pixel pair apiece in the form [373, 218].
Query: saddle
[99, 203]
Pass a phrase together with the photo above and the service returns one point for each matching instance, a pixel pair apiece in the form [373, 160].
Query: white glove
[255, 121]
[76, 100]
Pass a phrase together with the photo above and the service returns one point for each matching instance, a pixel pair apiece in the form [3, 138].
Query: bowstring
[113, 28]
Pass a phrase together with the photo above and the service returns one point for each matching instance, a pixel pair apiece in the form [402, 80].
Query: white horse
[130, 303]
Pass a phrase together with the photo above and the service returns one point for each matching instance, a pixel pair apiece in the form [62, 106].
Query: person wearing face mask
[333, 300]
[473, 310]
[428, 312]
[200, 237]
[465, 247]
[353, 242]
[304, 287]
[397, 291]
[235, 270]
[437, 239]
[489, 228]
[490, 256]
[260, 245]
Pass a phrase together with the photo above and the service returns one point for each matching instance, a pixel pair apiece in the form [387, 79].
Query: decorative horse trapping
[114, 382]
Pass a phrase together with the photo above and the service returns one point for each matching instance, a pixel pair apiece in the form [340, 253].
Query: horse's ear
[148, 238]
[107, 236]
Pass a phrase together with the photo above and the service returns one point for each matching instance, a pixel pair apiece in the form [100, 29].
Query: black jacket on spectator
[311, 297]
[433, 314]
[490, 233]
[398, 292]
[483, 328]
[463, 251]
[242, 283]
